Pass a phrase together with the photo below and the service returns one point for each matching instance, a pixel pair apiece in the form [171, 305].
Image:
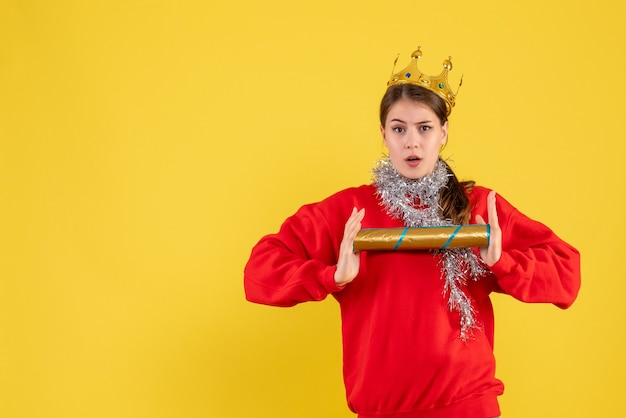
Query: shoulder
[478, 194]
[330, 214]
[478, 201]
[353, 195]
[342, 202]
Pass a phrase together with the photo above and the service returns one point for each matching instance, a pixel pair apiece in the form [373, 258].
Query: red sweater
[402, 353]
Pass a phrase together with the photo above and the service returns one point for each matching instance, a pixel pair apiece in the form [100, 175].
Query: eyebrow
[417, 123]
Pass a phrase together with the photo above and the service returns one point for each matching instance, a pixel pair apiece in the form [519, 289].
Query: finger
[350, 220]
[480, 220]
[355, 218]
[359, 216]
[353, 225]
[492, 210]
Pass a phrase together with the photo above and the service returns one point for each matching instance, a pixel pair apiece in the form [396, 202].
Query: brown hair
[453, 201]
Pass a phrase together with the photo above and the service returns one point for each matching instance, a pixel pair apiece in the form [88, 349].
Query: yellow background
[147, 145]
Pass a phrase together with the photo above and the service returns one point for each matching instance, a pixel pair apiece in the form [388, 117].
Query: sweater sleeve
[295, 265]
[536, 265]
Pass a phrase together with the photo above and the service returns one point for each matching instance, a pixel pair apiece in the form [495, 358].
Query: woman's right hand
[349, 260]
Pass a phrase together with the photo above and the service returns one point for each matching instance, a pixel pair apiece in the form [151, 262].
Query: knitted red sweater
[402, 353]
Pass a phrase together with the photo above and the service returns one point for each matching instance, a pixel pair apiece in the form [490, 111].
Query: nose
[412, 140]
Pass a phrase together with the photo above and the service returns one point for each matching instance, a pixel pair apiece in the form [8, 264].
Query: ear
[382, 133]
[444, 133]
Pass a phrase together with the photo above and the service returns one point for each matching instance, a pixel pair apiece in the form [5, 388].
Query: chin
[416, 173]
[413, 175]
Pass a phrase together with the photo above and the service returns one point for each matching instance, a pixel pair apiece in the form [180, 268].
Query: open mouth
[413, 160]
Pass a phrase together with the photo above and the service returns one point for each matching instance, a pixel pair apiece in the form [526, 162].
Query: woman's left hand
[491, 254]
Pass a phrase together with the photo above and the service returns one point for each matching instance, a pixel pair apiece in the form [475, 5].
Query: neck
[414, 201]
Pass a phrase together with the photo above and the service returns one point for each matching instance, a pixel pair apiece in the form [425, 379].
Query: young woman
[417, 325]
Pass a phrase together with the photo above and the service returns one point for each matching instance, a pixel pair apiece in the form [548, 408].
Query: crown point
[437, 84]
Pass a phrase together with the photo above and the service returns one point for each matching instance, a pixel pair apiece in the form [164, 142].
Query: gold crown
[437, 84]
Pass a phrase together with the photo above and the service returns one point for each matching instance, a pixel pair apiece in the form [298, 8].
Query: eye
[425, 128]
[397, 129]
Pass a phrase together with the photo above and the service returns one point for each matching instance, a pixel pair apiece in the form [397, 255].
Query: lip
[413, 160]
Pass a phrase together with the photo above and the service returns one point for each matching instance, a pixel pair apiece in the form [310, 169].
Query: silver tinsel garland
[416, 203]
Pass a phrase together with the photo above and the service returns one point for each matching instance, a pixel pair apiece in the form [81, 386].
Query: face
[413, 135]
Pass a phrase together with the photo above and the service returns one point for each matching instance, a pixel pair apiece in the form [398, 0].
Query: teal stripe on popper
[456, 230]
[400, 239]
[488, 233]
